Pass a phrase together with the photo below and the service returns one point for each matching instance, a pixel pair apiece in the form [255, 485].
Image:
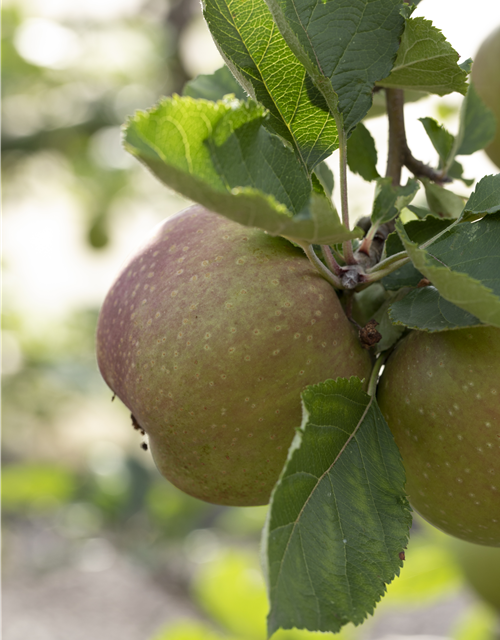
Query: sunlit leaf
[254, 49]
[220, 155]
[426, 61]
[345, 45]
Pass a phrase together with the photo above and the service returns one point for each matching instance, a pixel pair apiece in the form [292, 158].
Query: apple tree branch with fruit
[268, 351]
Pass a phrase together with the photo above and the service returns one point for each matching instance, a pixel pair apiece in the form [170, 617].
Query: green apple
[485, 76]
[209, 335]
[440, 395]
[481, 567]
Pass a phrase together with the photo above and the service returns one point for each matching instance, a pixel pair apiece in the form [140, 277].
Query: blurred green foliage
[36, 487]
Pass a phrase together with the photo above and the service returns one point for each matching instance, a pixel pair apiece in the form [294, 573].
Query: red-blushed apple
[440, 394]
[485, 76]
[209, 335]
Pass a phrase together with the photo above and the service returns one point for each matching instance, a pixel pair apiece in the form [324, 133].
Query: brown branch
[421, 170]
[399, 151]
[397, 135]
[399, 156]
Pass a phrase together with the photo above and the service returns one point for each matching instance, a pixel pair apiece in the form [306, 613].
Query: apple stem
[330, 260]
[320, 267]
[384, 264]
[372, 384]
[374, 276]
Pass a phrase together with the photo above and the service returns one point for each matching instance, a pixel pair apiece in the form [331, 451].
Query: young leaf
[484, 199]
[441, 139]
[220, 155]
[456, 172]
[362, 154]
[420, 212]
[214, 86]
[463, 263]
[477, 124]
[253, 48]
[339, 517]
[426, 61]
[345, 47]
[389, 200]
[424, 309]
[325, 176]
[442, 202]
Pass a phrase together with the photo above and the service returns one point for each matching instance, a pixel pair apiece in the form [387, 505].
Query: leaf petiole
[320, 267]
[384, 264]
[372, 385]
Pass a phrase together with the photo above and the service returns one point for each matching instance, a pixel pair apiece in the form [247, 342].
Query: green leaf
[214, 86]
[466, 65]
[254, 49]
[477, 124]
[456, 172]
[220, 155]
[463, 263]
[419, 231]
[484, 199]
[339, 517]
[405, 276]
[441, 139]
[389, 200]
[325, 176]
[426, 61]
[424, 309]
[345, 45]
[442, 202]
[362, 154]
[420, 212]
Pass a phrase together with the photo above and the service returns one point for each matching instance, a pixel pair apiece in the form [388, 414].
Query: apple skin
[481, 568]
[485, 75]
[209, 335]
[440, 395]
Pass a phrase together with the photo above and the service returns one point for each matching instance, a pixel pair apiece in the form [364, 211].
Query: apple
[485, 76]
[209, 335]
[440, 395]
[481, 568]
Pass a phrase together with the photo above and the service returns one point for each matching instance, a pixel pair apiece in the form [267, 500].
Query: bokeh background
[95, 543]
